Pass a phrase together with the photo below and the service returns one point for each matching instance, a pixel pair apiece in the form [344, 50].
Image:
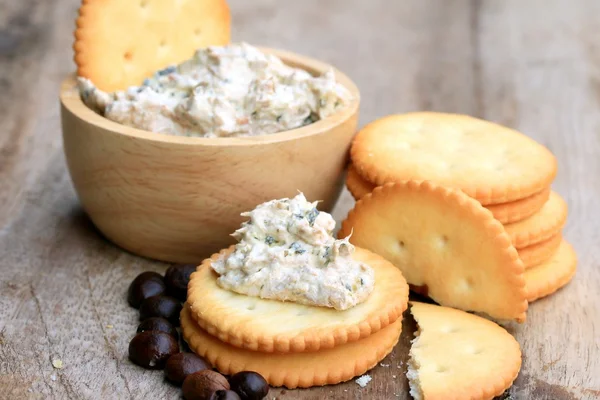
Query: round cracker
[443, 240]
[489, 162]
[292, 370]
[457, 355]
[504, 212]
[519, 210]
[556, 272]
[270, 325]
[539, 252]
[540, 226]
[356, 184]
[119, 43]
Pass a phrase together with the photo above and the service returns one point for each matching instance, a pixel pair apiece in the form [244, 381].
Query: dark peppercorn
[151, 349]
[158, 324]
[180, 365]
[177, 278]
[249, 385]
[145, 285]
[202, 384]
[161, 306]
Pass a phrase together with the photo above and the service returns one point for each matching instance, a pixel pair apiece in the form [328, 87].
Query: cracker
[548, 277]
[504, 212]
[271, 325]
[539, 252]
[326, 367]
[445, 240]
[519, 210]
[540, 226]
[356, 184]
[119, 43]
[457, 355]
[489, 162]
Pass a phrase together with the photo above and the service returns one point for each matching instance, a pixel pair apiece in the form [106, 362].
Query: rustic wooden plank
[532, 65]
[535, 71]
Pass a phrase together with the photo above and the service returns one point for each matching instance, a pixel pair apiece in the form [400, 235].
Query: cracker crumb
[384, 365]
[363, 380]
[57, 363]
[109, 326]
[394, 376]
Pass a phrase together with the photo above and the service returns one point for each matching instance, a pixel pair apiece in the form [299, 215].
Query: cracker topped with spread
[290, 286]
[287, 252]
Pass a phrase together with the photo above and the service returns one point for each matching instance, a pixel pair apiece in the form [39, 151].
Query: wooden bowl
[178, 199]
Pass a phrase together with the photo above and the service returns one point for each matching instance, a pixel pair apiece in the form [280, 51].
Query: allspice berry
[202, 384]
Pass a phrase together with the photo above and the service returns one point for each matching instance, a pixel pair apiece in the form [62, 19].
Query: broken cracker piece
[457, 355]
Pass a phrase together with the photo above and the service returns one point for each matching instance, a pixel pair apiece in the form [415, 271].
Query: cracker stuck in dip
[227, 91]
[287, 252]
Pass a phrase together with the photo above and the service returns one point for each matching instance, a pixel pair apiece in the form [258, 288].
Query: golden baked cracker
[519, 210]
[118, 43]
[540, 226]
[548, 277]
[489, 162]
[271, 325]
[292, 370]
[445, 240]
[539, 252]
[356, 184]
[456, 355]
[504, 212]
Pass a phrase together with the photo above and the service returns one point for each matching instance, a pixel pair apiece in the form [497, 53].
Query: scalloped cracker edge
[456, 355]
[443, 240]
[538, 253]
[489, 162]
[292, 370]
[270, 325]
[540, 226]
[546, 278]
[506, 213]
[119, 43]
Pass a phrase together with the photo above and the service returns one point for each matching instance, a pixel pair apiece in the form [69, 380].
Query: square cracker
[118, 43]
[444, 241]
[457, 355]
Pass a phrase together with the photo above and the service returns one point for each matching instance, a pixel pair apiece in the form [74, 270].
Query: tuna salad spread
[234, 90]
[287, 252]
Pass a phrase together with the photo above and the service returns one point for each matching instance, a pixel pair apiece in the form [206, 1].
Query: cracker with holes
[457, 355]
[489, 162]
[119, 43]
[284, 326]
[325, 367]
[289, 286]
[445, 243]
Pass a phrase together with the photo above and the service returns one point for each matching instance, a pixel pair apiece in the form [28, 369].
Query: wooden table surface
[532, 65]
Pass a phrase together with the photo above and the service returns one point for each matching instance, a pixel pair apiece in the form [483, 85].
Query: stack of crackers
[291, 344]
[506, 172]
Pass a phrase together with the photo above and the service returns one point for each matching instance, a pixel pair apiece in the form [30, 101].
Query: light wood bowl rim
[71, 100]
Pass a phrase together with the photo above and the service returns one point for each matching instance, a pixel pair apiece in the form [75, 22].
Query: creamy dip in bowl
[177, 198]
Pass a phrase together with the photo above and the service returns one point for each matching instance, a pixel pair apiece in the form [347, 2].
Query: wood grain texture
[533, 65]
